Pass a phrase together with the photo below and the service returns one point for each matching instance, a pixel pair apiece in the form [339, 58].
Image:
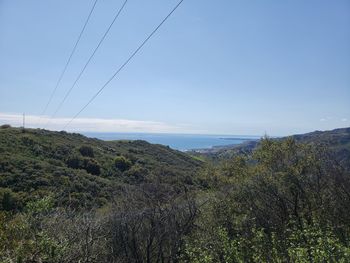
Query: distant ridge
[337, 140]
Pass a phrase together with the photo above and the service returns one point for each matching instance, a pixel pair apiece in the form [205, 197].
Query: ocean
[182, 142]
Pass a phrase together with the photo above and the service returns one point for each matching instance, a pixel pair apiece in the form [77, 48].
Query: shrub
[137, 172]
[7, 199]
[86, 151]
[88, 164]
[122, 163]
[74, 162]
[5, 126]
[92, 166]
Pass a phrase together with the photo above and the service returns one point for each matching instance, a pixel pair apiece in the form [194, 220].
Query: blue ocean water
[182, 142]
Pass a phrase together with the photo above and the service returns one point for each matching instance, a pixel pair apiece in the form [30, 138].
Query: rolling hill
[337, 140]
[80, 170]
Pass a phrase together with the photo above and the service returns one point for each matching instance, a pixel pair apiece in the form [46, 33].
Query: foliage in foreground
[287, 202]
[148, 226]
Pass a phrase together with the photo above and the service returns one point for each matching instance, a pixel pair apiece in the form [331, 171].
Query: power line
[124, 64]
[88, 61]
[69, 58]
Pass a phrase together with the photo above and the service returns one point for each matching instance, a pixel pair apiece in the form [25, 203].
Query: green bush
[5, 126]
[87, 151]
[122, 163]
[75, 162]
[8, 200]
[92, 166]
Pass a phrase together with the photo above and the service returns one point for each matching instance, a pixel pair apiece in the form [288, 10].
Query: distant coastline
[182, 142]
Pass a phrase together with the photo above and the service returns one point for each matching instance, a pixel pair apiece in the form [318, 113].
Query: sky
[215, 67]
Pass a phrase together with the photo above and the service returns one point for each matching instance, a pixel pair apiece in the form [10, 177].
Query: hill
[83, 171]
[337, 141]
[337, 138]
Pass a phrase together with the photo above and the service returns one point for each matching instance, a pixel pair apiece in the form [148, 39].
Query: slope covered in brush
[80, 170]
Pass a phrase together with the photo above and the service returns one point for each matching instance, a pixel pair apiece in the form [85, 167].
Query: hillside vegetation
[68, 198]
[80, 171]
[337, 141]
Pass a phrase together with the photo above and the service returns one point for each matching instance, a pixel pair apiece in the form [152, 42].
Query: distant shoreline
[181, 142]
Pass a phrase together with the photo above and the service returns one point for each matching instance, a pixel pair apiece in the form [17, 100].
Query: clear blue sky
[225, 67]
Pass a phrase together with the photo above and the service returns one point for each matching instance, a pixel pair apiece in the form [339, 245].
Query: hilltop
[79, 170]
[337, 141]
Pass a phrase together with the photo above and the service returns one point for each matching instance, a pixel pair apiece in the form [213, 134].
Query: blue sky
[224, 67]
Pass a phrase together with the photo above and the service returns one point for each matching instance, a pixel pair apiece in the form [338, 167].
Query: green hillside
[337, 141]
[83, 171]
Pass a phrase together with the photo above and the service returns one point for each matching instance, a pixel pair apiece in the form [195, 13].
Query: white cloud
[92, 124]
[328, 118]
[344, 119]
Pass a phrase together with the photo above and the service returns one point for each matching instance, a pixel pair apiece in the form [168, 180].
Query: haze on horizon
[228, 67]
